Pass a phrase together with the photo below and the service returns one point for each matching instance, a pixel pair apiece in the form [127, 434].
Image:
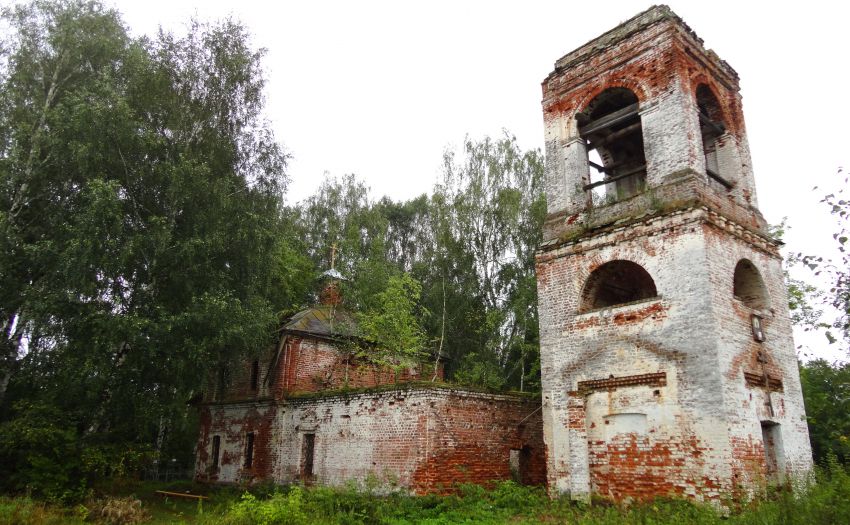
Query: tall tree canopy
[490, 210]
[140, 219]
[470, 245]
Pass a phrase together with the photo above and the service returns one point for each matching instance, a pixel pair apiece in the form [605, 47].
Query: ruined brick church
[668, 366]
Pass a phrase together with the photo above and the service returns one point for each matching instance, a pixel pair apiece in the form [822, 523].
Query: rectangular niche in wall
[513, 461]
[628, 423]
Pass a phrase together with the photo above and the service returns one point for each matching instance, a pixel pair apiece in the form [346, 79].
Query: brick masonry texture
[665, 395]
[304, 364]
[315, 365]
[415, 438]
[391, 432]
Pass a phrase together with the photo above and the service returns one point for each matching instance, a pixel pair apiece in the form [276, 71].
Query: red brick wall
[307, 365]
[313, 365]
[641, 468]
[472, 439]
[422, 439]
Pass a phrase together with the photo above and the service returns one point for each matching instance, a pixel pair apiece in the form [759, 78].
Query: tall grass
[26, 511]
[825, 499]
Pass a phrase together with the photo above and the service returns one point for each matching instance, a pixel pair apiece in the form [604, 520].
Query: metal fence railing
[168, 472]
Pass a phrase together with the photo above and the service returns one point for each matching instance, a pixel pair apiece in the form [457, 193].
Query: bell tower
[668, 364]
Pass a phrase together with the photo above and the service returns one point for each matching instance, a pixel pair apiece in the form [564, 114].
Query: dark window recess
[617, 282]
[308, 452]
[748, 286]
[255, 374]
[221, 383]
[249, 450]
[216, 450]
[611, 128]
[711, 128]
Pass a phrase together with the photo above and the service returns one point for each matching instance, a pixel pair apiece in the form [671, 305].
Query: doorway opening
[773, 457]
[308, 454]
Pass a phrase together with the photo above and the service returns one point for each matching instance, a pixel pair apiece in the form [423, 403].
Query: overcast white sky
[380, 89]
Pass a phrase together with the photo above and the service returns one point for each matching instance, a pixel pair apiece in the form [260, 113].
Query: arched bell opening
[748, 286]
[617, 282]
[712, 130]
[611, 128]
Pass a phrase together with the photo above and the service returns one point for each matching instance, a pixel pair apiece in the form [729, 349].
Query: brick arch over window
[730, 111]
[635, 85]
[617, 282]
[708, 103]
[748, 286]
[611, 127]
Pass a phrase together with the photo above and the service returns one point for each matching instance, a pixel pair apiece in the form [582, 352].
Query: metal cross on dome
[333, 273]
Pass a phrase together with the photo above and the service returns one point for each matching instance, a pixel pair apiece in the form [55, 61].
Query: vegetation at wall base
[825, 501]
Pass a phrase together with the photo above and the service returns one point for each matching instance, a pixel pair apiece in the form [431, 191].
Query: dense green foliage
[825, 502]
[140, 220]
[826, 392]
[392, 327]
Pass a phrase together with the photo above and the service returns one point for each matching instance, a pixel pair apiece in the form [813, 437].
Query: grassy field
[825, 502]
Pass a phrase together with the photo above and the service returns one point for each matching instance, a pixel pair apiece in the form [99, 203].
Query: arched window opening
[712, 129]
[617, 282]
[748, 286]
[611, 128]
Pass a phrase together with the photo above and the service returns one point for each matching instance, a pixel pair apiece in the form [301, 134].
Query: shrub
[38, 446]
[46, 457]
[280, 508]
[119, 511]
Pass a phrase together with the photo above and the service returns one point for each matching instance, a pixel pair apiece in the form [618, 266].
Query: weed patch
[824, 499]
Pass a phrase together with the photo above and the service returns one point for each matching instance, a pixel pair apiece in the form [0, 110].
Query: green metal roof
[321, 320]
